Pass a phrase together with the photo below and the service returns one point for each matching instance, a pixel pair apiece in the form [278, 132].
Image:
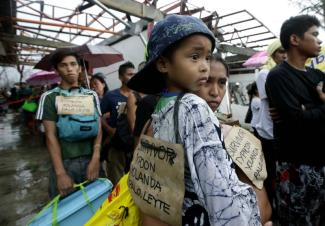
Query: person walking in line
[112, 105]
[297, 94]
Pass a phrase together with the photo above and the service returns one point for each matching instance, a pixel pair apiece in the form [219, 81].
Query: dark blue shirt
[110, 103]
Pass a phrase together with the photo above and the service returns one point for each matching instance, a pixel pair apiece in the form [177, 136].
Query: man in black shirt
[296, 92]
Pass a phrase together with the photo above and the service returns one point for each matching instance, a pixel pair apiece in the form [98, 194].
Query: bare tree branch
[316, 7]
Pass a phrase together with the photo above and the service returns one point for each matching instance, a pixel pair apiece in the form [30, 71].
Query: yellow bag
[118, 210]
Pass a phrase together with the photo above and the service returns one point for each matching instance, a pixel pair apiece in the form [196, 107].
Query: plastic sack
[29, 106]
[75, 209]
[119, 209]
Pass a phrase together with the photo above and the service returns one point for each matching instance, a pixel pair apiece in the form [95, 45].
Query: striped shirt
[55, 92]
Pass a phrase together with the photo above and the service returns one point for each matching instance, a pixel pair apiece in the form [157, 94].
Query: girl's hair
[101, 79]
[252, 90]
[217, 57]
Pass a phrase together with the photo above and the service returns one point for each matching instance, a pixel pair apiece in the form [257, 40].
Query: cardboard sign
[156, 179]
[75, 105]
[246, 151]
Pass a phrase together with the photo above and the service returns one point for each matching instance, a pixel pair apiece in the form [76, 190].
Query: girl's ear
[294, 40]
[162, 65]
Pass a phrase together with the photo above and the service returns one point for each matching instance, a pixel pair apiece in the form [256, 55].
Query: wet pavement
[24, 164]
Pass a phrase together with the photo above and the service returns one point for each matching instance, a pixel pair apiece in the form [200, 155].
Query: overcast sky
[270, 12]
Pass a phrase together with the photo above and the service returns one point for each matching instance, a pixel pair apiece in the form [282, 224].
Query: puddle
[24, 164]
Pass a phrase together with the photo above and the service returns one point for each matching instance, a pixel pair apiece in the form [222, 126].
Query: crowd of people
[23, 98]
[92, 132]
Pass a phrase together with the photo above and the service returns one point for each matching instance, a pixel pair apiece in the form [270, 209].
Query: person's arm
[320, 90]
[104, 122]
[106, 109]
[261, 195]
[281, 92]
[256, 104]
[94, 164]
[260, 83]
[131, 109]
[263, 204]
[110, 130]
[151, 221]
[64, 181]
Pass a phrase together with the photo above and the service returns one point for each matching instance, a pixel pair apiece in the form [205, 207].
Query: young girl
[179, 51]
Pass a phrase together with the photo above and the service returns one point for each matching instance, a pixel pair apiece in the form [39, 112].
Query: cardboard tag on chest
[246, 151]
[75, 105]
[156, 179]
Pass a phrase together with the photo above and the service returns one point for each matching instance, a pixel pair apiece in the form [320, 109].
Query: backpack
[77, 126]
[123, 138]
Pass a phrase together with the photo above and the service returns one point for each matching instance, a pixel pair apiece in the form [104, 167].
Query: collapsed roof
[31, 29]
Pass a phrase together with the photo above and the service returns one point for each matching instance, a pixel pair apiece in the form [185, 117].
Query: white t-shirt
[265, 125]
[255, 106]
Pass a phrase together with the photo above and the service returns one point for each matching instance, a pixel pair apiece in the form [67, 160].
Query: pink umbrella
[43, 78]
[257, 60]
